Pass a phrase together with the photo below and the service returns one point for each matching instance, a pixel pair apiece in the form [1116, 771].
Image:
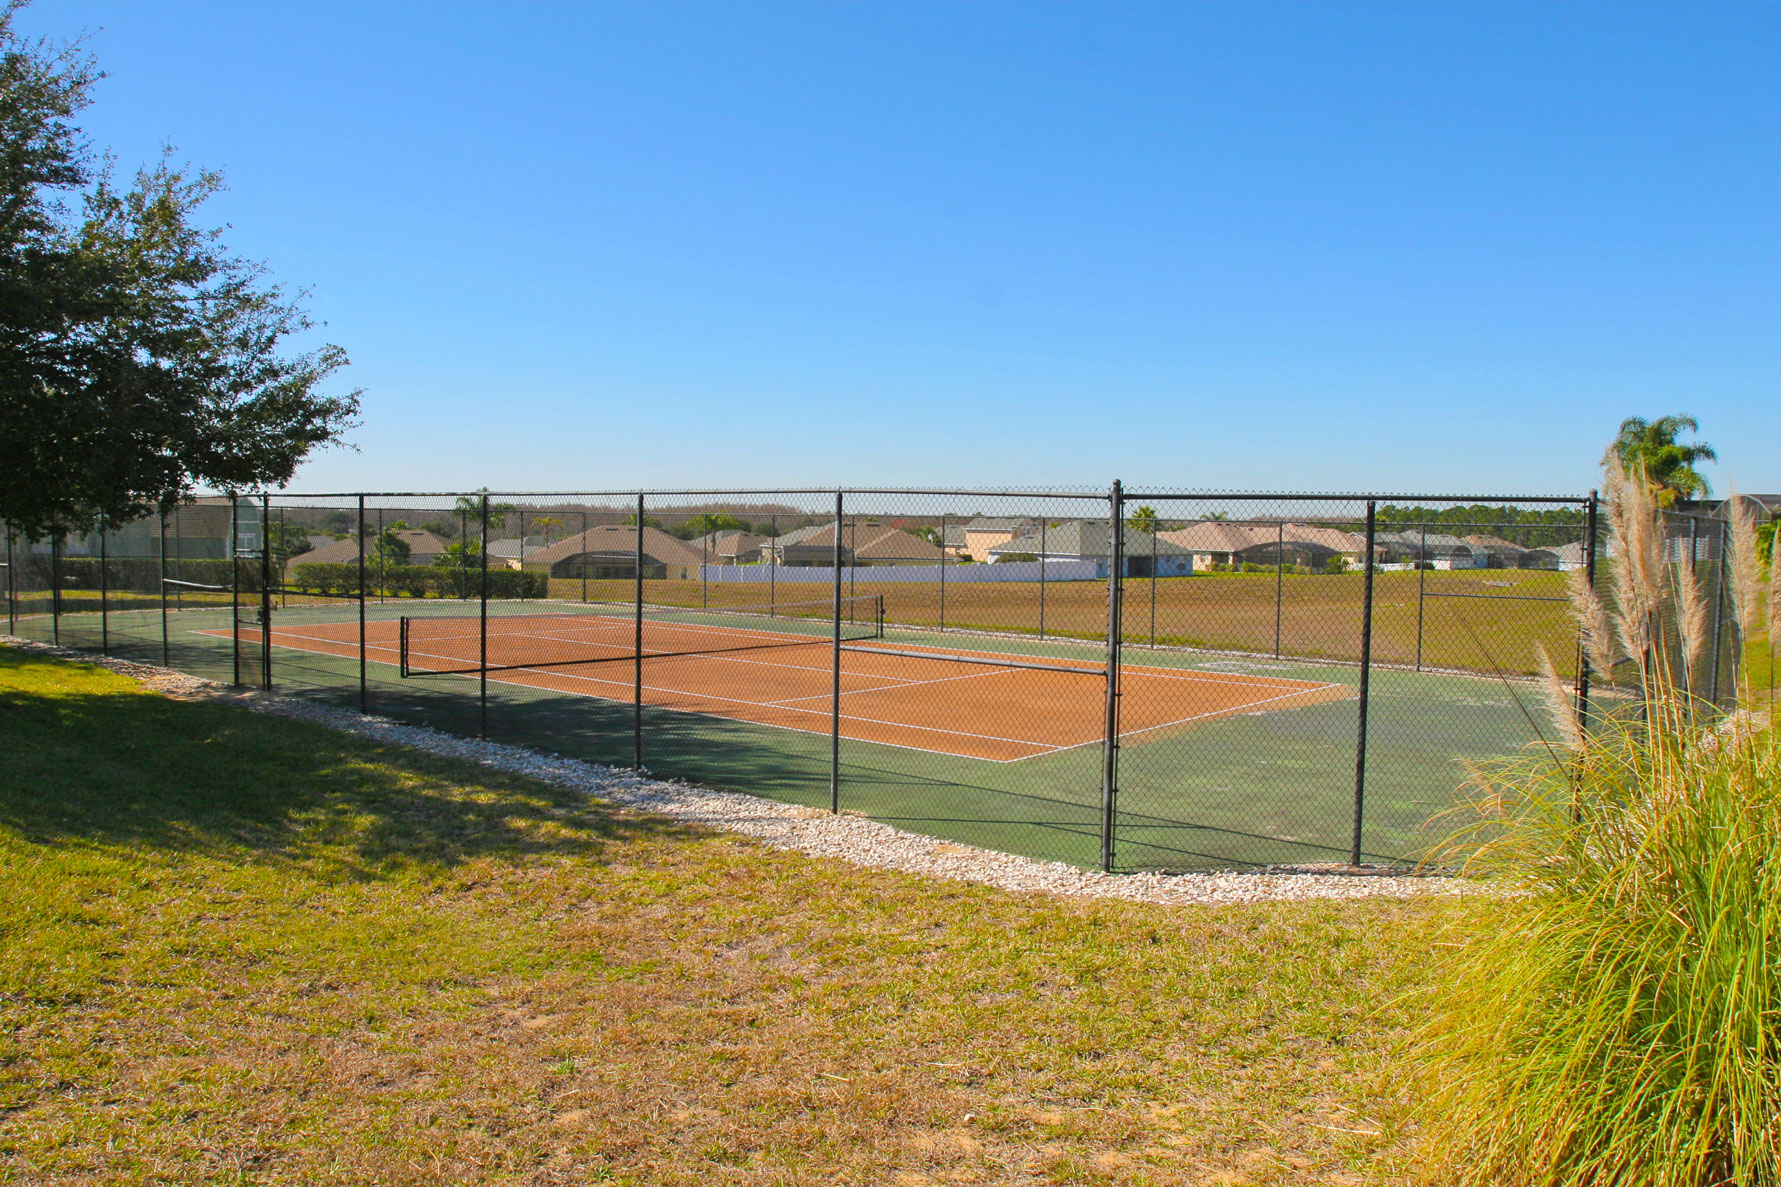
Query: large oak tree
[139, 360]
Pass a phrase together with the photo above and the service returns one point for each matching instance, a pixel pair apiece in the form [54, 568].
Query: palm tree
[1649, 447]
[544, 523]
[1143, 520]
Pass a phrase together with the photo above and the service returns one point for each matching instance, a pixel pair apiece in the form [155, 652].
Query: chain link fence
[1129, 680]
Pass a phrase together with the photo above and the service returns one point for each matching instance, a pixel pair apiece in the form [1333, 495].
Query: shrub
[1617, 1019]
[416, 581]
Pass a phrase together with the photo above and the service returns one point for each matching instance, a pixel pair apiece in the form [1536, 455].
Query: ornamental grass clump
[1614, 1016]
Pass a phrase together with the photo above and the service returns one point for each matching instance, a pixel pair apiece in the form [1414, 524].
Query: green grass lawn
[242, 949]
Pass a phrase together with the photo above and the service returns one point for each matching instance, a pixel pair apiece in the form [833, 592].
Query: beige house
[611, 552]
[985, 533]
[1217, 542]
[423, 549]
[730, 547]
[861, 544]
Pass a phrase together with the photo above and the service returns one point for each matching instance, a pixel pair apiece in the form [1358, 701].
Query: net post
[482, 626]
[637, 645]
[104, 594]
[1366, 671]
[235, 581]
[1043, 521]
[1155, 559]
[835, 676]
[704, 563]
[1115, 627]
[266, 592]
[1422, 551]
[1583, 672]
[364, 677]
[402, 647]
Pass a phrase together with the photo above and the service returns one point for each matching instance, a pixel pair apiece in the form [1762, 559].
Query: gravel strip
[807, 830]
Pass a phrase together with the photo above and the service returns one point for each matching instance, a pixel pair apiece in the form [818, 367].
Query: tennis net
[447, 645]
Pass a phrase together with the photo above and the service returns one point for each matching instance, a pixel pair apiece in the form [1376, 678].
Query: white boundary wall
[1082, 570]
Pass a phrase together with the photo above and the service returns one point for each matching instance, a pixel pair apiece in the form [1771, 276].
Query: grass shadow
[85, 758]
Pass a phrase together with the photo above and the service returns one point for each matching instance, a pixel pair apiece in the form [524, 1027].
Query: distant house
[1215, 543]
[861, 544]
[986, 532]
[1088, 540]
[1434, 549]
[510, 552]
[611, 552]
[1494, 552]
[731, 547]
[423, 549]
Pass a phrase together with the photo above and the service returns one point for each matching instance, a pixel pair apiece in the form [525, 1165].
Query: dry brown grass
[1320, 615]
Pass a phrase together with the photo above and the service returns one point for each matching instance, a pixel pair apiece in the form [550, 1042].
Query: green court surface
[1269, 786]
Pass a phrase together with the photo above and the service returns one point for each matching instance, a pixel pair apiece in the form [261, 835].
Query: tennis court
[780, 672]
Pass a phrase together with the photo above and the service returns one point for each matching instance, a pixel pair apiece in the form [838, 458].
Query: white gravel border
[806, 830]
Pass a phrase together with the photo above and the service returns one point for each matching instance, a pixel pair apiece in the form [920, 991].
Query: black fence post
[266, 592]
[637, 648]
[234, 550]
[773, 566]
[1279, 581]
[1422, 550]
[1719, 606]
[482, 627]
[1042, 525]
[943, 570]
[463, 551]
[1589, 553]
[364, 675]
[11, 613]
[55, 588]
[1115, 625]
[1692, 677]
[1366, 672]
[104, 594]
[166, 648]
[583, 565]
[835, 677]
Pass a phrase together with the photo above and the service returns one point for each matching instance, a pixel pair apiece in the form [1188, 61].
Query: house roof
[617, 540]
[1088, 539]
[1434, 542]
[869, 542]
[420, 543]
[995, 523]
[730, 542]
[509, 549]
[1217, 535]
[1496, 544]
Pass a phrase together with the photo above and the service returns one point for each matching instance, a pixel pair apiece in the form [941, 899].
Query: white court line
[903, 685]
[1043, 749]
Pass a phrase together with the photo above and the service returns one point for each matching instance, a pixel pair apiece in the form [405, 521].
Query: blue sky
[1434, 247]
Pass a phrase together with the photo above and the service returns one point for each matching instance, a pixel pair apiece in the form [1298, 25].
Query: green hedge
[416, 581]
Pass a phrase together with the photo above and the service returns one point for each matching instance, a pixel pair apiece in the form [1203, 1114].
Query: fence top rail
[633, 492]
[1129, 494]
[1310, 496]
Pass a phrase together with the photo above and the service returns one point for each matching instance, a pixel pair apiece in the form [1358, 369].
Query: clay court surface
[923, 698]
